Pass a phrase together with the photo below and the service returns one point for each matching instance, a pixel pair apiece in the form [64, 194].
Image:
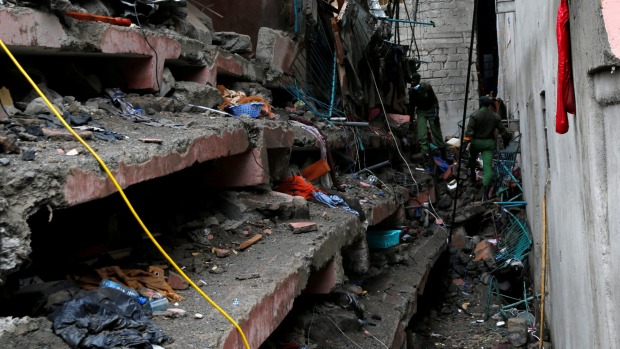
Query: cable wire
[122, 193]
[458, 171]
[377, 339]
[417, 189]
[151, 46]
[344, 334]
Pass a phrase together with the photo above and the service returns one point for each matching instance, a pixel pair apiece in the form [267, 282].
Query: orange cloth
[153, 278]
[238, 98]
[297, 186]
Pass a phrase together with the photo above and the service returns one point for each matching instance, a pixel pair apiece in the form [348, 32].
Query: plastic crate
[383, 238]
[251, 109]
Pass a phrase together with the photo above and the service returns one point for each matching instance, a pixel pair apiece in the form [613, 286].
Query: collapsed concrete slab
[56, 181]
[280, 264]
[141, 55]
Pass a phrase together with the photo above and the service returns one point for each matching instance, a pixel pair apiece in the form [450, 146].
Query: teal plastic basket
[250, 109]
[383, 238]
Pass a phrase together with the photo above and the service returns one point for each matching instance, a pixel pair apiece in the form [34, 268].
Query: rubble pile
[303, 212]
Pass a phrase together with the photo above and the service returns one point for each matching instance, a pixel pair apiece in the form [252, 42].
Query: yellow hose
[120, 190]
[544, 267]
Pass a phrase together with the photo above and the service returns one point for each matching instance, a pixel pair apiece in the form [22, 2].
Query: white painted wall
[583, 193]
[445, 48]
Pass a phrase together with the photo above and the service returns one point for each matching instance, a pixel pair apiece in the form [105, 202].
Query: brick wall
[445, 49]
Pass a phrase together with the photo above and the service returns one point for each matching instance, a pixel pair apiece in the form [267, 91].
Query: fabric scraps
[333, 201]
[297, 186]
[137, 279]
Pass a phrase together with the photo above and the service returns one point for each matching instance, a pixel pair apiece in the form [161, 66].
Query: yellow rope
[120, 190]
[544, 267]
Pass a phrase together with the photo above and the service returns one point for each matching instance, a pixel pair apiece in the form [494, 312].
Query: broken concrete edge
[76, 184]
[83, 186]
[161, 46]
[273, 306]
[425, 255]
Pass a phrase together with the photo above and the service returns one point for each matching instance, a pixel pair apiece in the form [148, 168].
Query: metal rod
[510, 306]
[461, 150]
[406, 21]
[516, 203]
[331, 102]
[351, 123]
[374, 167]
[210, 109]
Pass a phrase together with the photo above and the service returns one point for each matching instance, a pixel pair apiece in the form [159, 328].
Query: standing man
[481, 129]
[424, 104]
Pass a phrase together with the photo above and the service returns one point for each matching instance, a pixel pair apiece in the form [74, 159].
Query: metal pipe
[373, 167]
[406, 21]
[510, 306]
[461, 150]
[351, 123]
[210, 109]
[331, 102]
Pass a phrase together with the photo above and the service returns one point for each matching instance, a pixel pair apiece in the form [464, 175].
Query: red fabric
[297, 186]
[566, 89]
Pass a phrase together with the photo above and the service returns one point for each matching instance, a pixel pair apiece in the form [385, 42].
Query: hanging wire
[312, 77]
[461, 151]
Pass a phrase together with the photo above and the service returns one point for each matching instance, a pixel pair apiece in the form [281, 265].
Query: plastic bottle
[105, 283]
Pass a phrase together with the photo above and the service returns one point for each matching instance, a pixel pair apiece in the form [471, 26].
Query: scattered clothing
[299, 186]
[153, 279]
[316, 134]
[296, 186]
[333, 201]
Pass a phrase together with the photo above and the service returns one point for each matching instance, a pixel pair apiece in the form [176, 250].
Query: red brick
[220, 252]
[458, 282]
[249, 242]
[302, 227]
[483, 251]
[176, 281]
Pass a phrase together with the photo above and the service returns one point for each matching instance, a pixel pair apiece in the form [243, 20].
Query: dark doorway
[488, 60]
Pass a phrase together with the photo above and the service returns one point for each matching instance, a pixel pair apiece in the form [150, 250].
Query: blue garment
[333, 201]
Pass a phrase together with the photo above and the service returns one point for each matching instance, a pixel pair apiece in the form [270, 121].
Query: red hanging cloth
[566, 89]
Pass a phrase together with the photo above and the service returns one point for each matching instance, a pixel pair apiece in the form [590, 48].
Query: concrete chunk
[233, 42]
[187, 92]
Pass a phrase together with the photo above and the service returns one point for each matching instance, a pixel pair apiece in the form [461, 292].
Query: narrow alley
[308, 174]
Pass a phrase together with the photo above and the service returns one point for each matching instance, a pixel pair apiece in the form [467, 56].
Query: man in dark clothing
[481, 130]
[424, 104]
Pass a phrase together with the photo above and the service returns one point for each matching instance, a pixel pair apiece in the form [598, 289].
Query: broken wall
[579, 171]
[445, 49]
[247, 17]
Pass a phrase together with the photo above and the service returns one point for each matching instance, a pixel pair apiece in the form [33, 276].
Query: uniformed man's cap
[485, 100]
